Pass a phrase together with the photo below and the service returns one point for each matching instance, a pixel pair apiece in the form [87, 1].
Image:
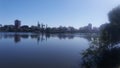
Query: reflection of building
[17, 24]
[17, 38]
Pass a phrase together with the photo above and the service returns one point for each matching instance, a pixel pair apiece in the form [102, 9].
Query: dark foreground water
[27, 50]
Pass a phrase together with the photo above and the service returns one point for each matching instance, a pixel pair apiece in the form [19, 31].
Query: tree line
[41, 28]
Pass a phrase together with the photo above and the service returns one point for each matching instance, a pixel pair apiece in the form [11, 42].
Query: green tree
[114, 16]
[104, 53]
[111, 31]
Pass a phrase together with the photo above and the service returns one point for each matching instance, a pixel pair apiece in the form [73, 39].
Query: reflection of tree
[70, 37]
[88, 37]
[38, 37]
[25, 36]
[61, 36]
[34, 36]
[47, 35]
[64, 36]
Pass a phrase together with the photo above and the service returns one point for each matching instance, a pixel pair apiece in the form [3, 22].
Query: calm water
[27, 50]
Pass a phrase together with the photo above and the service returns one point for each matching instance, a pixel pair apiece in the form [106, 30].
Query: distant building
[38, 25]
[86, 29]
[17, 24]
[89, 26]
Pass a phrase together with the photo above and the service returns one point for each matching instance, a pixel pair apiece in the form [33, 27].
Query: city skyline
[76, 13]
[44, 28]
[18, 23]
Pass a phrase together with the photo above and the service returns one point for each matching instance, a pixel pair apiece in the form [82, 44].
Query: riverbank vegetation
[105, 51]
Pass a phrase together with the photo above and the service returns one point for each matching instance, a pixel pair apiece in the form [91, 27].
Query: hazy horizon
[76, 13]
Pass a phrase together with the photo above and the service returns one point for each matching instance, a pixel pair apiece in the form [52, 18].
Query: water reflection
[17, 38]
[42, 37]
[60, 50]
[102, 53]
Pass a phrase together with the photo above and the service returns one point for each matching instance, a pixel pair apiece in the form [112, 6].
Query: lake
[30, 50]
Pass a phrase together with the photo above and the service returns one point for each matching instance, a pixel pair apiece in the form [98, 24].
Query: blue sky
[75, 13]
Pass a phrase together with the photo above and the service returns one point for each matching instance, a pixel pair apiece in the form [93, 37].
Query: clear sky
[75, 13]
